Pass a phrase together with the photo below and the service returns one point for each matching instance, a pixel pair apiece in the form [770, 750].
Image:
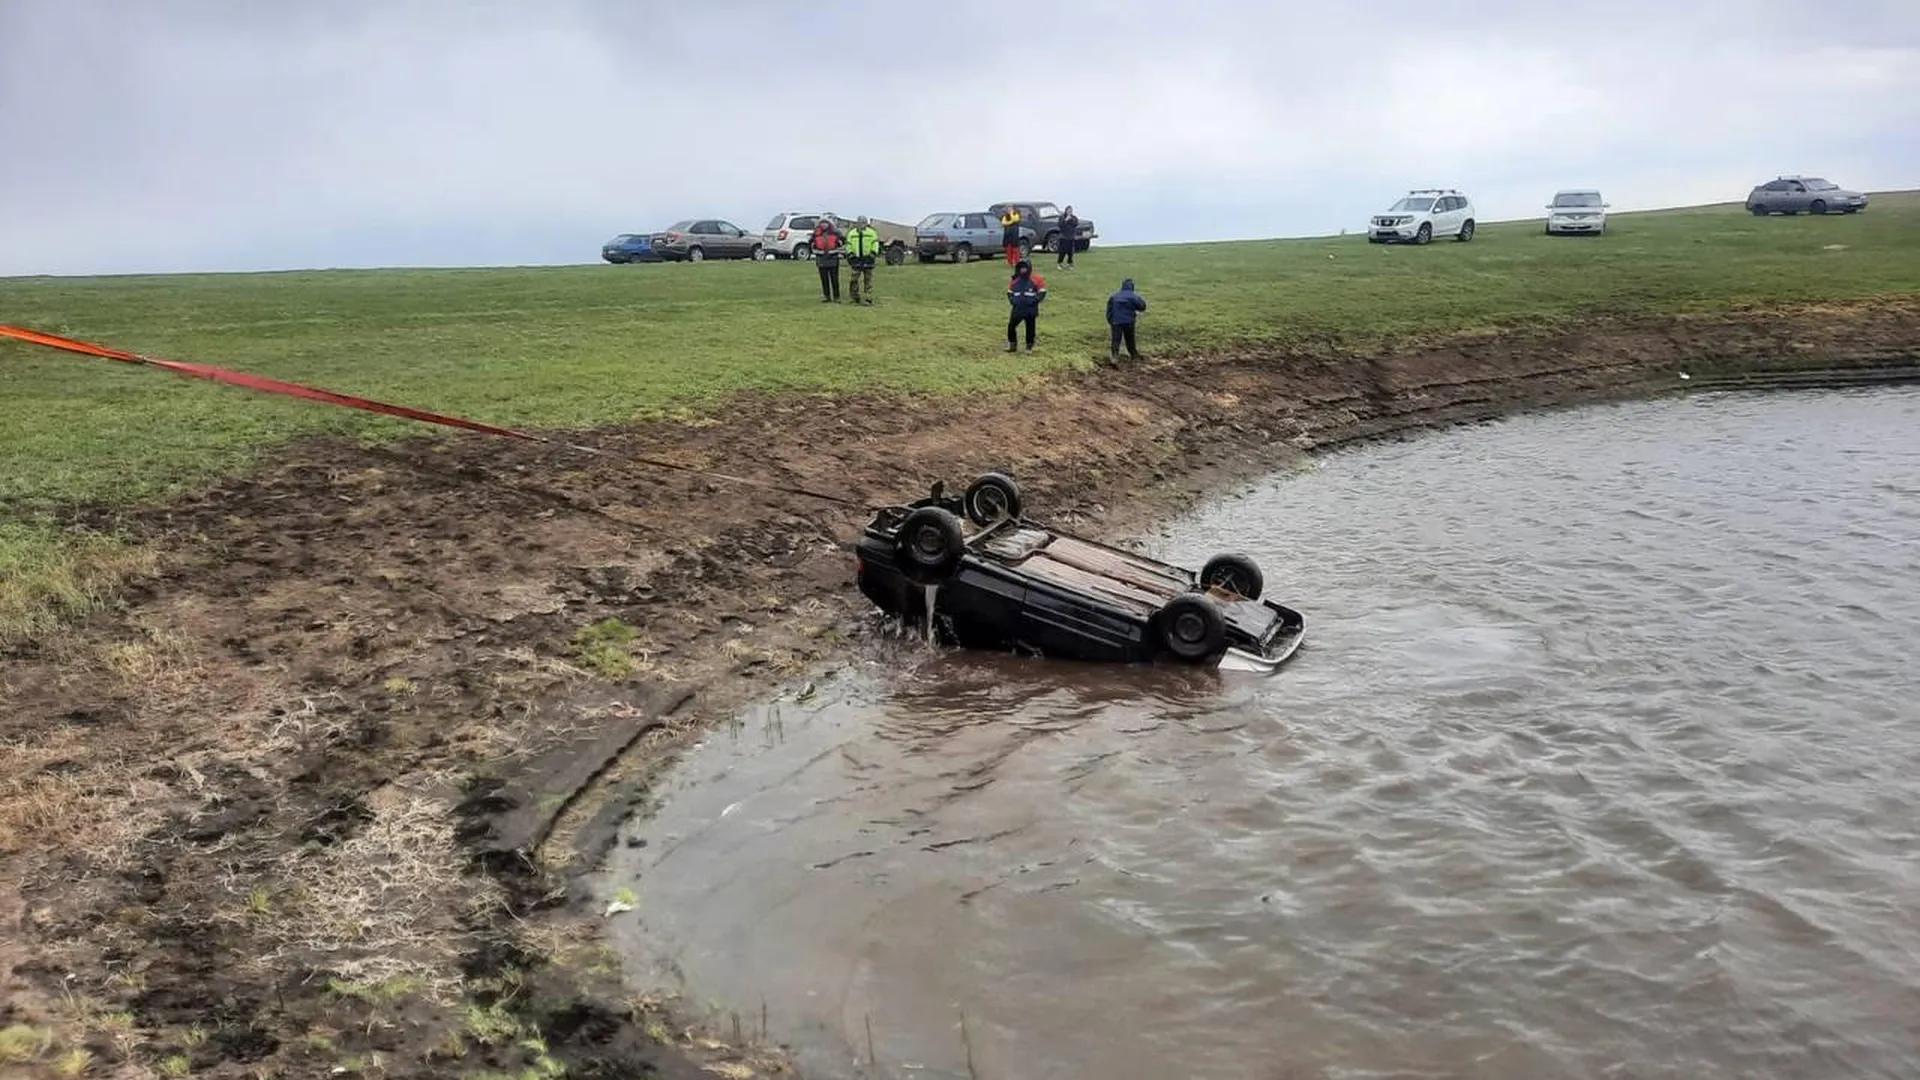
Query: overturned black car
[1017, 585]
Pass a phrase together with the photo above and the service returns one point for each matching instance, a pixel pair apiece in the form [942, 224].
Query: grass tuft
[606, 648]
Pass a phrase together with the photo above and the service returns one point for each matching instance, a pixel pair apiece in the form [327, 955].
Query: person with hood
[1123, 308]
[863, 245]
[1010, 233]
[826, 256]
[1024, 294]
[1069, 237]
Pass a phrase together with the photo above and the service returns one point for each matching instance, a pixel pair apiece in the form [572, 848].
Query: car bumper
[1393, 234]
[1576, 225]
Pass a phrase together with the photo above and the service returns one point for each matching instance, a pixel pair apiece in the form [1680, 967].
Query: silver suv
[1794, 194]
[1422, 215]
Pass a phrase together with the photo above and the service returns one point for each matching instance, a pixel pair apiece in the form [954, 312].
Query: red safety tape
[277, 386]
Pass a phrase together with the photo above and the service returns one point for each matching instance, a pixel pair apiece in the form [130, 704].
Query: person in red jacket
[827, 242]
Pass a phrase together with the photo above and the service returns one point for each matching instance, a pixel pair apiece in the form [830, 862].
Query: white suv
[790, 235]
[1424, 214]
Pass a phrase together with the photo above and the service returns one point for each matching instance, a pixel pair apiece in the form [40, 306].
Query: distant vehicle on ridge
[1421, 215]
[1811, 194]
[698, 239]
[1577, 210]
[629, 248]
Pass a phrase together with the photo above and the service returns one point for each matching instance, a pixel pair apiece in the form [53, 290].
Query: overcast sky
[162, 135]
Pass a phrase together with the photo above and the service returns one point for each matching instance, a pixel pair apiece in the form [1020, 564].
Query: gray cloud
[200, 134]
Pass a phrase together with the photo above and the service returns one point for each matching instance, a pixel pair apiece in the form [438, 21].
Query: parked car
[958, 236]
[1423, 214]
[696, 239]
[790, 235]
[1042, 219]
[1793, 194]
[628, 248]
[1577, 210]
[1013, 584]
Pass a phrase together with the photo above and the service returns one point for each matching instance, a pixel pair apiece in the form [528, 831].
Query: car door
[1453, 214]
[733, 242]
[1798, 199]
[981, 233]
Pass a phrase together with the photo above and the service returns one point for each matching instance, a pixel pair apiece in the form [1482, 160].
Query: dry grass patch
[49, 577]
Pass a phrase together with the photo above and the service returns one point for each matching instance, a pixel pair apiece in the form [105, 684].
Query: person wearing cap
[826, 258]
[863, 246]
[1024, 294]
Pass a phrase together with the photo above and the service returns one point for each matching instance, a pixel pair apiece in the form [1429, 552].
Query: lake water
[1602, 759]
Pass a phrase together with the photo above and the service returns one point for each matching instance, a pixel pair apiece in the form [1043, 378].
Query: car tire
[695, 254]
[963, 253]
[1819, 207]
[1466, 232]
[1051, 244]
[929, 545]
[1191, 627]
[1235, 573]
[990, 497]
[1758, 211]
[803, 251]
[1425, 235]
[758, 253]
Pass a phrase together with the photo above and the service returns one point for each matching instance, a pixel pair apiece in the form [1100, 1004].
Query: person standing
[1069, 237]
[1024, 294]
[1010, 233]
[826, 256]
[863, 246]
[1123, 308]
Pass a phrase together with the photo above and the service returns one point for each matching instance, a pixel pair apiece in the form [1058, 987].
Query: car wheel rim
[928, 544]
[989, 503]
[1189, 628]
[1226, 579]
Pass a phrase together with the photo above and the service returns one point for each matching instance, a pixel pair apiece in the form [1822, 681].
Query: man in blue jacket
[1024, 294]
[1123, 308]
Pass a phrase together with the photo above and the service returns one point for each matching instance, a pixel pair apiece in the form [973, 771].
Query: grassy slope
[587, 345]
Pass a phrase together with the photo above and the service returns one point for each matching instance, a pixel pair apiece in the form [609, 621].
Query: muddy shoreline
[317, 796]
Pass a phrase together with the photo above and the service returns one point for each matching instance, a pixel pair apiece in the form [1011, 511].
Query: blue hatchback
[628, 247]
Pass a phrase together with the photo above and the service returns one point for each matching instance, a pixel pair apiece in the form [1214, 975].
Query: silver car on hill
[1803, 195]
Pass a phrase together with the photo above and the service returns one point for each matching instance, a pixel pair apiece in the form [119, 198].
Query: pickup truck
[1043, 219]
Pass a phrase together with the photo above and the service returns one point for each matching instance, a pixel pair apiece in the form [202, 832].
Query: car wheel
[1819, 207]
[1758, 211]
[929, 545]
[803, 251]
[1466, 232]
[1425, 235]
[1191, 627]
[757, 253]
[963, 253]
[1051, 244]
[991, 497]
[1235, 573]
[695, 255]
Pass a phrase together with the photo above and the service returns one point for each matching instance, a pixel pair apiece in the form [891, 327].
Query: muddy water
[1602, 759]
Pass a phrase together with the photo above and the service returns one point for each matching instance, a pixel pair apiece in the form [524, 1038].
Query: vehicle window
[1046, 209]
[1795, 185]
[728, 228]
[681, 226]
[1821, 185]
[1576, 198]
[777, 219]
[1413, 204]
[976, 221]
[804, 222]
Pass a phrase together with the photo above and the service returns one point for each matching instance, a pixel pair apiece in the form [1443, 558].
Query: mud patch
[243, 788]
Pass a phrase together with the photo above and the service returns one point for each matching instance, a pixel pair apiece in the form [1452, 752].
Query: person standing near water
[826, 256]
[1123, 308]
[1024, 294]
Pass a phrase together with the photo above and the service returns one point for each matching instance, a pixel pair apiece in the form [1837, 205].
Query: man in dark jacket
[826, 256]
[1123, 308]
[1024, 294]
[1069, 235]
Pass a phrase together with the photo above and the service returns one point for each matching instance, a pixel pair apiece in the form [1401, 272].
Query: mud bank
[312, 800]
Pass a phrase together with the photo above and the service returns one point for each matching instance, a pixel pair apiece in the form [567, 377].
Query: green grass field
[589, 345]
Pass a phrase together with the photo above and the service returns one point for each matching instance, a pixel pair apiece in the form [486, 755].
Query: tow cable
[276, 386]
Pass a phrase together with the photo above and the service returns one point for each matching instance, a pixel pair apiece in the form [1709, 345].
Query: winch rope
[278, 386]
